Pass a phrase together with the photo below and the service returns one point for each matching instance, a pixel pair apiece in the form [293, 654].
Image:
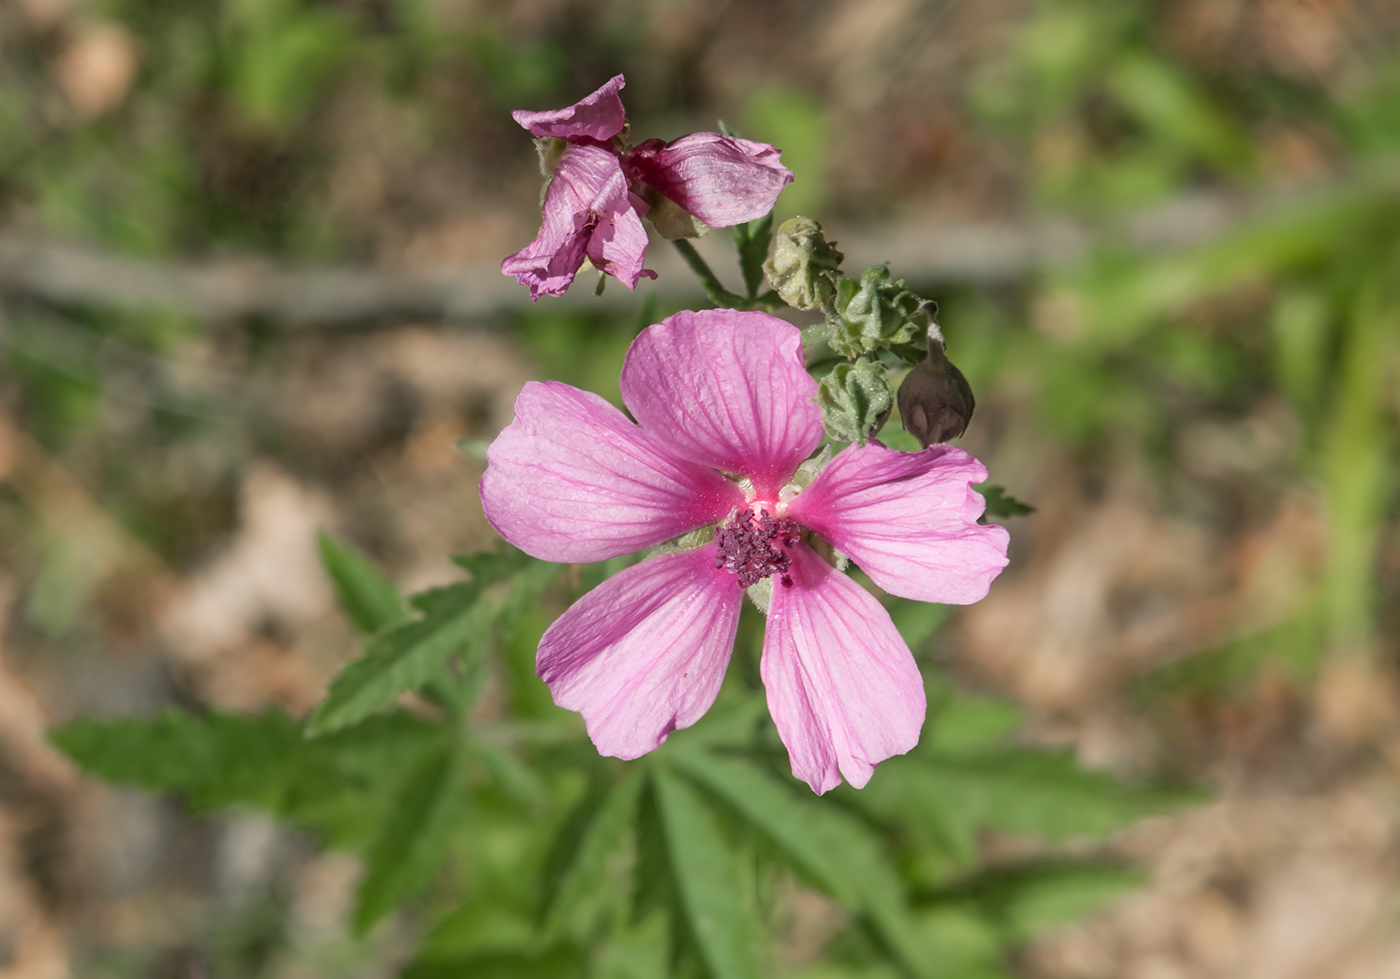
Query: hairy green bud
[877, 312]
[855, 400]
[805, 266]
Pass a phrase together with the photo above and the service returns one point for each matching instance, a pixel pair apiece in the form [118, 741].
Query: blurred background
[249, 291]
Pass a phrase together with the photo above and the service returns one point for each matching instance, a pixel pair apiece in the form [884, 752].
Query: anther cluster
[755, 548]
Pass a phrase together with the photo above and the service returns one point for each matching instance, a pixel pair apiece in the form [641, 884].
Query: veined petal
[842, 685]
[721, 180]
[596, 116]
[587, 196]
[571, 479]
[644, 653]
[618, 245]
[726, 389]
[909, 519]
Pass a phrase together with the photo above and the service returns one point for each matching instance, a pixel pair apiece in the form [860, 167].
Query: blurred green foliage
[536, 857]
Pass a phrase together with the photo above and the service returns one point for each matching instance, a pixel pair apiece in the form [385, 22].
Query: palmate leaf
[575, 876]
[402, 658]
[1000, 503]
[458, 617]
[827, 847]
[369, 599]
[1024, 901]
[411, 846]
[1023, 791]
[707, 881]
[339, 786]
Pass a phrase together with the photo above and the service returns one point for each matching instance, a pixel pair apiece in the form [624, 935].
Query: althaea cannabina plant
[600, 188]
[727, 415]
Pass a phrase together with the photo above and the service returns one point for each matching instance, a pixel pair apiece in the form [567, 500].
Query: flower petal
[842, 685]
[587, 199]
[909, 519]
[726, 389]
[644, 653]
[619, 245]
[596, 116]
[721, 180]
[571, 479]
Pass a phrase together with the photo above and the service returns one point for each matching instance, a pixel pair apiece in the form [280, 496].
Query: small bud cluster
[754, 548]
[872, 321]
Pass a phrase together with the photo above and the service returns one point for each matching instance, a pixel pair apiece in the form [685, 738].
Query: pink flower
[726, 415]
[600, 190]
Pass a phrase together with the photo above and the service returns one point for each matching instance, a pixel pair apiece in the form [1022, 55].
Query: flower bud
[878, 312]
[935, 400]
[805, 266]
[855, 400]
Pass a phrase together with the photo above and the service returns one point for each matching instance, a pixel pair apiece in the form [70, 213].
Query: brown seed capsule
[935, 400]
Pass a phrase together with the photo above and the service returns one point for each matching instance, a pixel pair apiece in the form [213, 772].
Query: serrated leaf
[400, 659]
[1024, 901]
[489, 567]
[827, 847]
[368, 598]
[752, 240]
[412, 845]
[999, 504]
[576, 871]
[707, 882]
[337, 786]
[1023, 791]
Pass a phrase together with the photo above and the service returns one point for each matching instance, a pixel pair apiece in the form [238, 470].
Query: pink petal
[587, 199]
[726, 389]
[721, 180]
[909, 519]
[842, 685]
[597, 116]
[619, 246]
[571, 479]
[644, 653]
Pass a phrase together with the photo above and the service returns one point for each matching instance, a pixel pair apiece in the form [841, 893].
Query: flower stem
[718, 294]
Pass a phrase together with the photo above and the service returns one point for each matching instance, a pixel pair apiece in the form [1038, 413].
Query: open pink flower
[600, 190]
[726, 415]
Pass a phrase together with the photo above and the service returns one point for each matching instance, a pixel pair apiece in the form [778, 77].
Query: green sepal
[855, 400]
[878, 312]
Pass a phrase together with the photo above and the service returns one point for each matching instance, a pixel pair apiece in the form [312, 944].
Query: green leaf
[707, 882]
[828, 848]
[339, 785]
[369, 599]
[1038, 793]
[456, 617]
[752, 240]
[554, 962]
[960, 724]
[576, 871]
[402, 658]
[412, 846]
[999, 504]
[1027, 900]
[489, 567]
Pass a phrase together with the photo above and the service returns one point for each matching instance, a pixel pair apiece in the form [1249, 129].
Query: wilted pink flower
[599, 190]
[726, 415]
